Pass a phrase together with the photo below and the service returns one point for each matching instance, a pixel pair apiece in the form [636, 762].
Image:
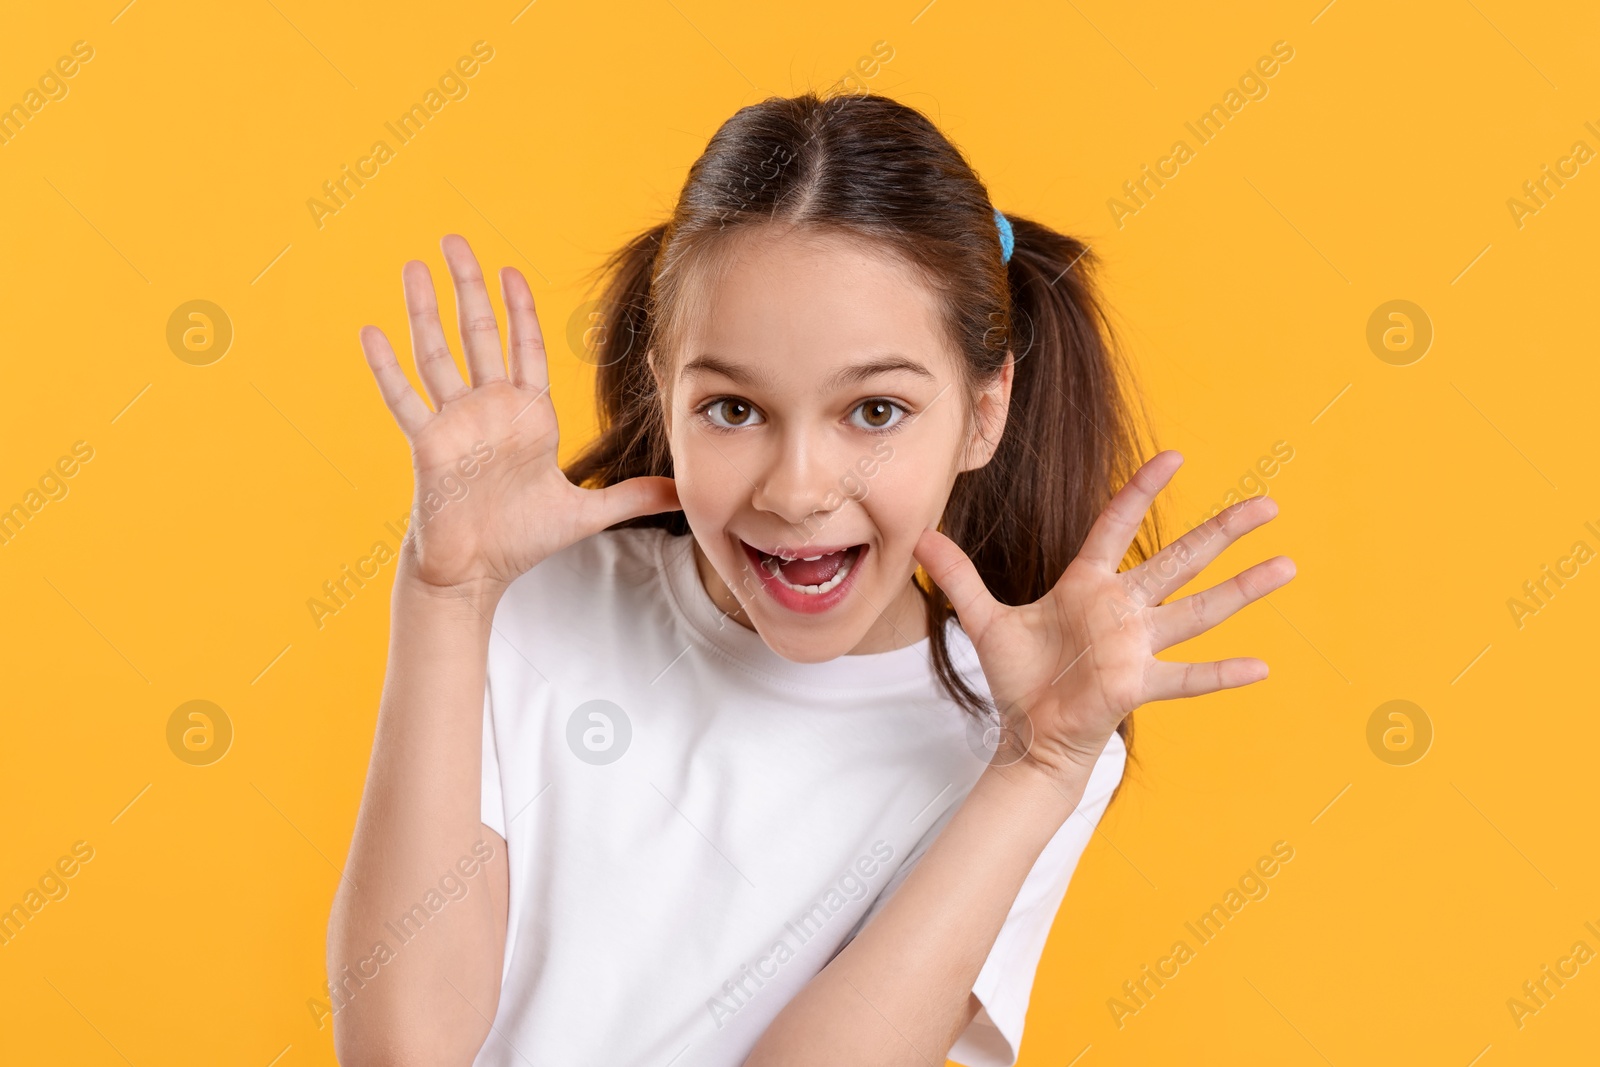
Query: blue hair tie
[1008, 240]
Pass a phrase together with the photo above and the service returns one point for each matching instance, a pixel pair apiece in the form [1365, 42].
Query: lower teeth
[812, 590]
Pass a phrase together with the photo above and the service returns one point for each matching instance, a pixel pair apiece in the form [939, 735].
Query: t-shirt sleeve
[1005, 982]
[493, 800]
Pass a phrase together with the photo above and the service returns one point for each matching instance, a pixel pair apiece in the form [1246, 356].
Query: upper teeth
[810, 559]
[815, 590]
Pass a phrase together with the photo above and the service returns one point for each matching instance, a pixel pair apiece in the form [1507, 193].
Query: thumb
[955, 573]
[628, 499]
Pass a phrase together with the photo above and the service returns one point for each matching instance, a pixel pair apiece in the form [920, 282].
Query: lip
[805, 603]
[809, 550]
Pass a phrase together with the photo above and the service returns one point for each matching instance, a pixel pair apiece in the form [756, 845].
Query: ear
[992, 406]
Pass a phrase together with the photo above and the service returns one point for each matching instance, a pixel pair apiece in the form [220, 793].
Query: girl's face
[818, 418]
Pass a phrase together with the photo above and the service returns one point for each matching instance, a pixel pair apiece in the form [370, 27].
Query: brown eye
[731, 412]
[879, 414]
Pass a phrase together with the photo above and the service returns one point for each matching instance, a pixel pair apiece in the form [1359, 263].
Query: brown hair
[864, 165]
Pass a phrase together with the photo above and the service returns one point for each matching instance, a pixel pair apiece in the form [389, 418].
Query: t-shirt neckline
[895, 668]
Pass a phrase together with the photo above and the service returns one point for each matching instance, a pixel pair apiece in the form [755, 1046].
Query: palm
[491, 499]
[1065, 670]
[503, 515]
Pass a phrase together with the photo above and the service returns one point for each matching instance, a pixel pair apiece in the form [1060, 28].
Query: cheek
[707, 481]
[905, 495]
[923, 464]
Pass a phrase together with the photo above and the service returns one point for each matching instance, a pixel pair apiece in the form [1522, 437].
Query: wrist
[1027, 786]
[1066, 760]
[475, 597]
[1046, 754]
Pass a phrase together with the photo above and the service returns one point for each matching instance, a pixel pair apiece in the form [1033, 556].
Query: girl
[682, 759]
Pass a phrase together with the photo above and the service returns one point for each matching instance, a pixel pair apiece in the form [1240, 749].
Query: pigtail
[632, 439]
[1073, 436]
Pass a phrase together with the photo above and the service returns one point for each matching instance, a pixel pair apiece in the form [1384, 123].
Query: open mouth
[806, 579]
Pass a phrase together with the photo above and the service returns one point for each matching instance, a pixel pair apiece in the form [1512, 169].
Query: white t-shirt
[696, 825]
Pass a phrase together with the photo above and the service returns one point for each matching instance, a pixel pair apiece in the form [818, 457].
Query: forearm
[419, 816]
[899, 992]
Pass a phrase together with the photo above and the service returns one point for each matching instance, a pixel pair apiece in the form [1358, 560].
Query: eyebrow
[851, 375]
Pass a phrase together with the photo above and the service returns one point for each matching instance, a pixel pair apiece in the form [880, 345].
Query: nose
[799, 480]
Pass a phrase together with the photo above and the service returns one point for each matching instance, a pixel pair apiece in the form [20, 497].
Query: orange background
[219, 498]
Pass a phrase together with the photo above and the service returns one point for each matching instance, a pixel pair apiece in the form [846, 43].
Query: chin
[809, 643]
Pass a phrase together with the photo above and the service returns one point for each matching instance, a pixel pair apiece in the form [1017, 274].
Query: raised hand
[1065, 670]
[491, 500]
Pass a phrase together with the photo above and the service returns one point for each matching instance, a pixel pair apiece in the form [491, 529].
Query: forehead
[808, 301]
